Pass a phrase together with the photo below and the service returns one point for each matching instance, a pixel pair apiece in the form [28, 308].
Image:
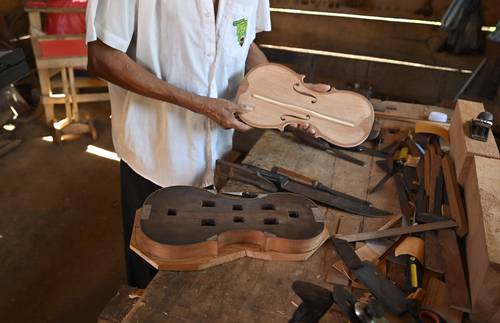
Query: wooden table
[250, 290]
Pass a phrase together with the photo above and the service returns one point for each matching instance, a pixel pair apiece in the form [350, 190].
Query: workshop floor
[60, 228]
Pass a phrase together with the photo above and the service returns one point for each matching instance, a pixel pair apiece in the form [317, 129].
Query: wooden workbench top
[250, 290]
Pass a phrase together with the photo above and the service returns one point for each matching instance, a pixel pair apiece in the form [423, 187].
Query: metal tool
[481, 125]
[371, 312]
[346, 301]
[272, 182]
[331, 198]
[316, 301]
[316, 184]
[369, 275]
[398, 165]
[367, 151]
[323, 145]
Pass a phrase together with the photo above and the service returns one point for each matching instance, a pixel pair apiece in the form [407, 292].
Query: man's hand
[321, 88]
[224, 112]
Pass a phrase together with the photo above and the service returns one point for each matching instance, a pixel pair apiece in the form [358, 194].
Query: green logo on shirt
[241, 30]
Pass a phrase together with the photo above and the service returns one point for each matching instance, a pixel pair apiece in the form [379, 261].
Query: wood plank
[382, 39]
[437, 299]
[435, 160]
[343, 72]
[482, 196]
[457, 210]
[462, 146]
[398, 231]
[454, 271]
[408, 9]
[433, 257]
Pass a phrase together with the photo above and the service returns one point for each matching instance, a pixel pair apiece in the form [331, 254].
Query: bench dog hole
[208, 204]
[237, 207]
[207, 222]
[268, 207]
[271, 221]
[293, 214]
[238, 219]
[171, 212]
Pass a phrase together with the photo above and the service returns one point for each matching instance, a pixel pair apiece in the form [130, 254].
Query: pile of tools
[415, 270]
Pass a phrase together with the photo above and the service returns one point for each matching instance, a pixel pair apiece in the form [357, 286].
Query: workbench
[250, 290]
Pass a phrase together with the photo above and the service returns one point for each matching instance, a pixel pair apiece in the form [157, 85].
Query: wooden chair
[57, 57]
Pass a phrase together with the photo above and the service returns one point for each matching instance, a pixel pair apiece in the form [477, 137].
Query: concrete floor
[61, 256]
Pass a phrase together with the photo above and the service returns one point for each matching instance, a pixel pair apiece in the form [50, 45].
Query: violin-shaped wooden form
[280, 98]
[187, 228]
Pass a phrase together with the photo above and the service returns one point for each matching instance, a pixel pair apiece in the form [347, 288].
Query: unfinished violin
[187, 228]
[280, 98]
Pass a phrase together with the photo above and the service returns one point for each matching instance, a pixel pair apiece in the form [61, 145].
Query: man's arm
[116, 67]
[255, 57]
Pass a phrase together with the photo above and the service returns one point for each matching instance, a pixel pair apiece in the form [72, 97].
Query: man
[176, 66]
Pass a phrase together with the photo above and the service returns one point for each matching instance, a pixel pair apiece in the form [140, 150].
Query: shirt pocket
[240, 30]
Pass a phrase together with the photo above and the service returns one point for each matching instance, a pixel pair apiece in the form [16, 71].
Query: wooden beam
[381, 39]
[397, 231]
[340, 72]
[408, 9]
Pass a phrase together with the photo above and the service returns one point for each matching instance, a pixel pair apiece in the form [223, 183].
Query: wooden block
[457, 210]
[482, 196]
[433, 256]
[435, 167]
[454, 271]
[462, 147]
[437, 299]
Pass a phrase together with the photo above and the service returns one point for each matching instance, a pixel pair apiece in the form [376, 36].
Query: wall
[420, 73]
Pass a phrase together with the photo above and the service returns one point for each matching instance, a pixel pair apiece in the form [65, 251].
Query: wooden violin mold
[280, 98]
[187, 228]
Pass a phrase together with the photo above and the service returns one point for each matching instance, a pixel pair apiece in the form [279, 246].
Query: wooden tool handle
[299, 178]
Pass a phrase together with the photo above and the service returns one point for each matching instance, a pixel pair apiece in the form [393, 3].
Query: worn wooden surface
[120, 305]
[482, 196]
[251, 290]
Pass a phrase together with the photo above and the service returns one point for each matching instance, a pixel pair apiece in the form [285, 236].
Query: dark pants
[135, 189]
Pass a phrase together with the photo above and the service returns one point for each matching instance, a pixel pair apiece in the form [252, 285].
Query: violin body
[187, 228]
[280, 98]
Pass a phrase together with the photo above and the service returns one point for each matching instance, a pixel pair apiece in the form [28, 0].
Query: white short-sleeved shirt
[184, 44]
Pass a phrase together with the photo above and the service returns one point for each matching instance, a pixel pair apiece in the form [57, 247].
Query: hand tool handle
[299, 178]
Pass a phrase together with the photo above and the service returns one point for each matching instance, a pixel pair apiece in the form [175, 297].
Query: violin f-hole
[295, 88]
[305, 118]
